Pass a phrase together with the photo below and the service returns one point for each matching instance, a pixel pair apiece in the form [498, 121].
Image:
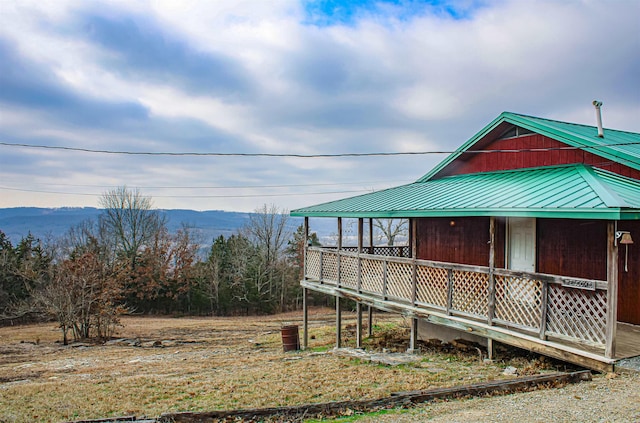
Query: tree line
[127, 261]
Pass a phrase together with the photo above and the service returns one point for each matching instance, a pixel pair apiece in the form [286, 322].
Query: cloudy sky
[287, 77]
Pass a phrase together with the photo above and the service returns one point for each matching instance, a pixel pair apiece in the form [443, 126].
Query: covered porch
[535, 258]
[572, 319]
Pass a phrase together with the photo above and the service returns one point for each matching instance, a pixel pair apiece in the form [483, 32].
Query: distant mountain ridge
[46, 223]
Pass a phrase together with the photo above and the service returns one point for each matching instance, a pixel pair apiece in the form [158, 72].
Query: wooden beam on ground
[394, 400]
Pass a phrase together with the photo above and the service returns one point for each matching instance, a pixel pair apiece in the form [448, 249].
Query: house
[524, 235]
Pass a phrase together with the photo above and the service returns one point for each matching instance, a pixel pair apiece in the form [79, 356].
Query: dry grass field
[197, 364]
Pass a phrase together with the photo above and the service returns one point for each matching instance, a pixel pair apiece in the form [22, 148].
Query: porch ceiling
[571, 191]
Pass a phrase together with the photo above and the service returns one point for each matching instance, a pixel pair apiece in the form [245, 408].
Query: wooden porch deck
[627, 341]
[565, 318]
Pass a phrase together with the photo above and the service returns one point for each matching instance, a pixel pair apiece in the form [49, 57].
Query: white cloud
[257, 78]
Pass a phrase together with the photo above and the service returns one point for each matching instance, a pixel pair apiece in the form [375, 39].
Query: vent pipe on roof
[598, 105]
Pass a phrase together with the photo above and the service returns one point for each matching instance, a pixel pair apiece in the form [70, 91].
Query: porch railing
[383, 250]
[570, 309]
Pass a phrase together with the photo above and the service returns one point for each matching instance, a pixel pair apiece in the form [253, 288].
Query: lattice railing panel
[518, 300]
[330, 268]
[349, 272]
[312, 265]
[399, 277]
[383, 250]
[372, 275]
[470, 292]
[577, 313]
[431, 283]
[393, 251]
[573, 314]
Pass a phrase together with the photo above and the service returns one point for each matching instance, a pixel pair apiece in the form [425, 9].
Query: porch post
[414, 268]
[359, 304]
[339, 247]
[305, 306]
[305, 247]
[358, 325]
[338, 310]
[371, 235]
[412, 237]
[413, 340]
[305, 320]
[338, 323]
[370, 309]
[492, 282]
[370, 322]
[612, 292]
[360, 241]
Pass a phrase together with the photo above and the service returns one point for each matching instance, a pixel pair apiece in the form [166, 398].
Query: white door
[521, 255]
[521, 244]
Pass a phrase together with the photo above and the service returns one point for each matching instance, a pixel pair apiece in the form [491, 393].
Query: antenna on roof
[598, 105]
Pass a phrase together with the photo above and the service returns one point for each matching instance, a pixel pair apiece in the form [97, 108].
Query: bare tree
[269, 231]
[390, 229]
[130, 219]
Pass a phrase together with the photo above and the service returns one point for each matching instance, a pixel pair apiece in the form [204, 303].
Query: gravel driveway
[608, 398]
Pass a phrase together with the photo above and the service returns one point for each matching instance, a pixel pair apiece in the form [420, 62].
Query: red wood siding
[572, 248]
[564, 247]
[629, 282]
[463, 242]
[486, 162]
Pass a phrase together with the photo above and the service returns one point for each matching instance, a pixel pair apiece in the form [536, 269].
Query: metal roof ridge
[567, 123]
[600, 187]
[518, 170]
[598, 146]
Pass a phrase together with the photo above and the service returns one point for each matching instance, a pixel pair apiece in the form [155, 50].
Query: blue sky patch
[347, 12]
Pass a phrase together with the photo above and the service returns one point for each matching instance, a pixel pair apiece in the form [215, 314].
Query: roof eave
[604, 214]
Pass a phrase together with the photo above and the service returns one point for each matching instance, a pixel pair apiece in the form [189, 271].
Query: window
[514, 132]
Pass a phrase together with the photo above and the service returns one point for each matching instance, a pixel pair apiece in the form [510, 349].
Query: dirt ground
[607, 398]
[163, 364]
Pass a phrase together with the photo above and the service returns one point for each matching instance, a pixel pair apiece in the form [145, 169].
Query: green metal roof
[618, 146]
[569, 191]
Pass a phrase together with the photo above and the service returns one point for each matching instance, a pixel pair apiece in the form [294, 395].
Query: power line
[309, 156]
[195, 196]
[226, 186]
